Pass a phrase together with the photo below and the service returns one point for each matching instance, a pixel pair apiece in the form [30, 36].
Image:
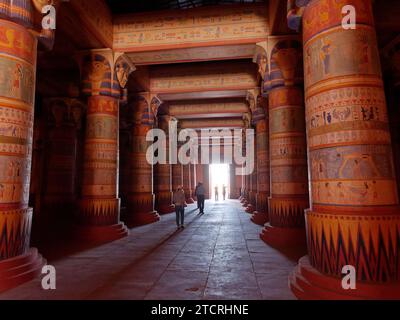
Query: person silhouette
[179, 202]
[216, 193]
[200, 194]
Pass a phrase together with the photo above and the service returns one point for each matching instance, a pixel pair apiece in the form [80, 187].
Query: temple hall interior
[77, 192]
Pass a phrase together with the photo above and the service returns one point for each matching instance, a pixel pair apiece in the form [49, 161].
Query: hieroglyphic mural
[141, 32]
[217, 76]
[328, 14]
[192, 54]
[358, 58]
[208, 107]
[211, 123]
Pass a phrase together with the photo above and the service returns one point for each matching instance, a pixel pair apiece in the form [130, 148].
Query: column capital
[295, 13]
[286, 62]
[64, 111]
[104, 72]
[144, 107]
[252, 98]
[28, 13]
[261, 58]
[260, 112]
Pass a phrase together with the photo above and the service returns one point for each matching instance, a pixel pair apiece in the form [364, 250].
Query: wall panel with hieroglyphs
[217, 76]
[188, 28]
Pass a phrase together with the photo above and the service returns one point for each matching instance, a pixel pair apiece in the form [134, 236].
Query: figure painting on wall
[325, 55]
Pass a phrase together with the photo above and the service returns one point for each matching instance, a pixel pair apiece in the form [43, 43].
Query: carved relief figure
[325, 55]
[363, 53]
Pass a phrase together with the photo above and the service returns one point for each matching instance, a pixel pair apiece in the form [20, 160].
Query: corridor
[217, 256]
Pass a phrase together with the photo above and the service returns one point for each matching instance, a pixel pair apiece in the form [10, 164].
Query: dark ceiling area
[134, 6]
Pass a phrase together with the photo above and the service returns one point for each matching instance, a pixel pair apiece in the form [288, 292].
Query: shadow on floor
[57, 239]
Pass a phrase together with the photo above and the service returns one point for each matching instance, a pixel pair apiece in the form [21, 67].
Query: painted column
[193, 173]
[232, 183]
[251, 207]
[64, 117]
[177, 176]
[392, 56]
[99, 214]
[140, 206]
[354, 217]
[163, 174]
[187, 182]
[260, 216]
[18, 262]
[246, 178]
[244, 200]
[289, 181]
[236, 187]
[253, 178]
[125, 142]
[199, 173]
[206, 182]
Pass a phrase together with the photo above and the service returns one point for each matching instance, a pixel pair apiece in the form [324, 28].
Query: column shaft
[99, 204]
[354, 217]
[187, 182]
[289, 178]
[163, 186]
[17, 92]
[140, 208]
[260, 216]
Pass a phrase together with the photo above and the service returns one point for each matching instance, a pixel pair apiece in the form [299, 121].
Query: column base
[99, 212]
[260, 218]
[165, 209]
[21, 269]
[308, 283]
[245, 203]
[101, 234]
[141, 218]
[284, 238]
[190, 200]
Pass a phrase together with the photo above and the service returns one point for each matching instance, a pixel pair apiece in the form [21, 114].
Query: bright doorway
[220, 178]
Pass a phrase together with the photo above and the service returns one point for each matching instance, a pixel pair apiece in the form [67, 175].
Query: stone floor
[217, 256]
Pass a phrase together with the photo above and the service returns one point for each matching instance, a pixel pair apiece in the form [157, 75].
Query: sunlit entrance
[219, 182]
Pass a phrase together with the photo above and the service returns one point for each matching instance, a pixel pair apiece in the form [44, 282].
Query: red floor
[218, 256]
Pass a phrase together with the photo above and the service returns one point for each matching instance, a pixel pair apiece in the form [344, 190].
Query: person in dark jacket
[201, 196]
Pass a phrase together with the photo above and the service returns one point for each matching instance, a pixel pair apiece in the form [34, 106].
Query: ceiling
[134, 6]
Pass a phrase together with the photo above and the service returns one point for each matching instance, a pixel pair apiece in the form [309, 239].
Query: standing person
[201, 196]
[216, 193]
[224, 191]
[179, 201]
